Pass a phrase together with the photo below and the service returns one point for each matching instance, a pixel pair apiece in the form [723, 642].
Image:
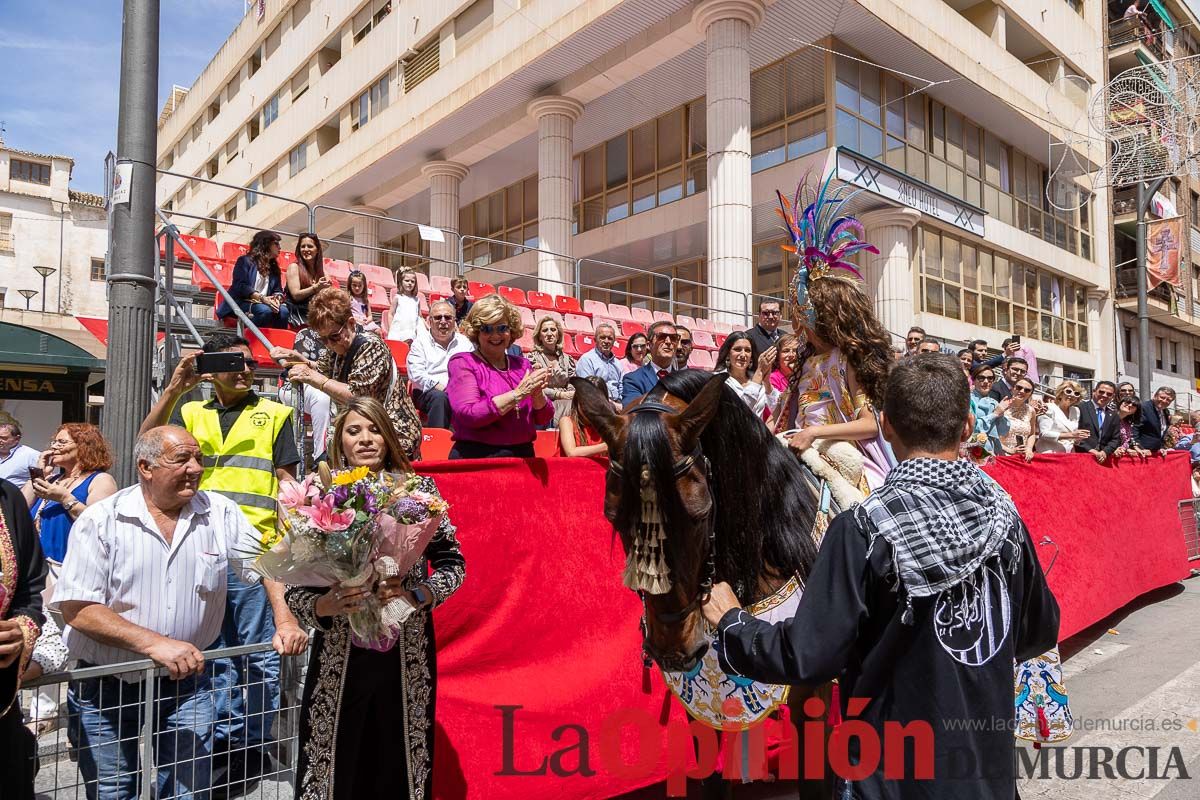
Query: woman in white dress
[406, 309]
[1058, 428]
[748, 372]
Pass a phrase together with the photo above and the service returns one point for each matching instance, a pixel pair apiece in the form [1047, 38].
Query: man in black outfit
[1152, 430]
[1102, 422]
[919, 602]
[766, 333]
[1015, 368]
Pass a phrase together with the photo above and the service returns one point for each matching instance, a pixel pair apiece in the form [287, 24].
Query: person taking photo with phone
[249, 447]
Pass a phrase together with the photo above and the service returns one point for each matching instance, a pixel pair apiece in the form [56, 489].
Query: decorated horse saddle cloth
[731, 701]
[1043, 711]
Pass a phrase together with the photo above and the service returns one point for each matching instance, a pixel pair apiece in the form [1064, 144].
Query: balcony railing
[1127, 31]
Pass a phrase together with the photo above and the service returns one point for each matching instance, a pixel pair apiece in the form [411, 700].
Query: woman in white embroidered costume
[366, 727]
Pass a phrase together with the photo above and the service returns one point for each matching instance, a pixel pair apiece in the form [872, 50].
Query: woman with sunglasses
[1129, 410]
[1058, 427]
[990, 425]
[1019, 411]
[498, 400]
[636, 350]
[355, 364]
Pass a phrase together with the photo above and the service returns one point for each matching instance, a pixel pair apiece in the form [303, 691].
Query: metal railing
[1191, 528]
[111, 727]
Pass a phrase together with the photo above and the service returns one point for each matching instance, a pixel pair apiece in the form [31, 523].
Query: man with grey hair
[602, 362]
[15, 458]
[145, 577]
[428, 364]
[1151, 432]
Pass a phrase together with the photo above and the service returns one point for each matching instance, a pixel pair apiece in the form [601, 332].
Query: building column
[1102, 335]
[889, 275]
[445, 178]
[556, 129]
[726, 25]
[366, 232]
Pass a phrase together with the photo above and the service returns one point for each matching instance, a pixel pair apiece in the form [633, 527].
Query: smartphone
[210, 363]
[36, 473]
[1016, 340]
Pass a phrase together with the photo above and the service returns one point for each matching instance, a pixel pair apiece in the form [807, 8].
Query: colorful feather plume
[821, 238]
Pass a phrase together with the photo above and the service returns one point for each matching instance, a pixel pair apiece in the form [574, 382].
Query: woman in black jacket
[257, 286]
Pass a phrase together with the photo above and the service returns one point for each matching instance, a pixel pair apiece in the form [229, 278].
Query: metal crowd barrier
[162, 731]
[1191, 528]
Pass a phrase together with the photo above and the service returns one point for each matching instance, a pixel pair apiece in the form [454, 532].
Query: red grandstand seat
[232, 251]
[540, 300]
[221, 270]
[423, 284]
[619, 312]
[585, 342]
[552, 314]
[701, 359]
[619, 347]
[629, 328]
[513, 295]
[662, 316]
[422, 303]
[545, 444]
[435, 444]
[399, 354]
[643, 315]
[441, 285]
[722, 327]
[477, 289]
[382, 276]
[278, 337]
[205, 249]
[686, 321]
[526, 340]
[703, 340]
[434, 297]
[569, 346]
[703, 324]
[720, 340]
[597, 322]
[567, 304]
[527, 319]
[595, 308]
[337, 271]
[577, 323]
[286, 258]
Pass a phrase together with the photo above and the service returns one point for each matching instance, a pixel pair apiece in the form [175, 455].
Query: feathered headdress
[821, 238]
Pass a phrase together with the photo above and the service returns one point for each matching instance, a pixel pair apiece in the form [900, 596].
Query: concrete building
[53, 241]
[652, 134]
[1166, 30]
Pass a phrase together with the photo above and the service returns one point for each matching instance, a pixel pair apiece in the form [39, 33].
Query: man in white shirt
[145, 577]
[428, 361]
[15, 458]
[601, 362]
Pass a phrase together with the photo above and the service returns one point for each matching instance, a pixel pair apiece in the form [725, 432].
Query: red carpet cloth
[543, 626]
[1116, 526]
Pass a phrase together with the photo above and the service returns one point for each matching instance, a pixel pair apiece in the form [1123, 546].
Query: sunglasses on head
[490, 329]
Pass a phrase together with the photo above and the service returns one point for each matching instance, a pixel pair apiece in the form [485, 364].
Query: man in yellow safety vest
[249, 446]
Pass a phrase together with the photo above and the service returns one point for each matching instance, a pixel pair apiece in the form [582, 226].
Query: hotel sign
[882, 180]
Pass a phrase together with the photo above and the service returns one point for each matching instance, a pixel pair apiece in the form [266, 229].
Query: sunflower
[351, 476]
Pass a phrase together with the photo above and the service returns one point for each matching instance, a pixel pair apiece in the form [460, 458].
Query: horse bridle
[680, 468]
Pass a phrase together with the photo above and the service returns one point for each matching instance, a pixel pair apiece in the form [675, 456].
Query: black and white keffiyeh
[943, 519]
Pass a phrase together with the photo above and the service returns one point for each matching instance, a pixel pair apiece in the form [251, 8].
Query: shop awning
[1163, 14]
[99, 328]
[30, 347]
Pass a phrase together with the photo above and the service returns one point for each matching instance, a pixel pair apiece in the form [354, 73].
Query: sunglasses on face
[330, 338]
[442, 318]
[662, 337]
[769, 313]
[1072, 393]
[639, 346]
[1021, 390]
[985, 378]
[490, 329]
[685, 341]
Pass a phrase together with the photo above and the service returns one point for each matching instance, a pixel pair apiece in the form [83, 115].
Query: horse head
[658, 499]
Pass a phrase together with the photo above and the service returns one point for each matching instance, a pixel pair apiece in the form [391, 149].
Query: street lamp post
[28, 295]
[45, 272]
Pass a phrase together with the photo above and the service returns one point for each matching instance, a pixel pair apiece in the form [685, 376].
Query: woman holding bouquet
[366, 726]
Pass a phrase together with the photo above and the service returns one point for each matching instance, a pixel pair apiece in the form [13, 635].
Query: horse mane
[765, 508]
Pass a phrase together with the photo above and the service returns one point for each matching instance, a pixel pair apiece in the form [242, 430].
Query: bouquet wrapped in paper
[353, 527]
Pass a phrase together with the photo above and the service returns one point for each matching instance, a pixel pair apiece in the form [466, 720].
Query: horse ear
[695, 418]
[599, 412]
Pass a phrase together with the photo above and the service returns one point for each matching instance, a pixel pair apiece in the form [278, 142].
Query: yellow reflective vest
[241, 466]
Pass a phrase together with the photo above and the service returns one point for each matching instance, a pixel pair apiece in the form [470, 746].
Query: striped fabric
[118, 558]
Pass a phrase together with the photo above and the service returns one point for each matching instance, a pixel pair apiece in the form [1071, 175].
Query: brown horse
[699, 491]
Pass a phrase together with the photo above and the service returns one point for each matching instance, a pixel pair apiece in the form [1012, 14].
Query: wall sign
[894, 185]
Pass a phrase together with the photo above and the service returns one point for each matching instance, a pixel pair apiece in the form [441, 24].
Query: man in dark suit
[1152, 430]
[766, 333]
[1101, 422]
[1014, 369]
[664, 340]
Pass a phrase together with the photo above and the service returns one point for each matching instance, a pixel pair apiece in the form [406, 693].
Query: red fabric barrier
[542, 622]
[1116, 526]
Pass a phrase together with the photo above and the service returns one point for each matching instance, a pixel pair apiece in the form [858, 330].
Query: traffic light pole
[131, 283]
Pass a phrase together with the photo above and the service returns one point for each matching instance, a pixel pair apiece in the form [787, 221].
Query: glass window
[616, 160]
[670, 186]
[951, 259]
[670, 138]
[933, 254]
[806, 136]
[954, 139]
[644, 148]
[697, 132]
[593, 171]
[870, 94]
[766, 96]
[846, 83]
[805, 74]
[894, 110]
[847, 130]
[915, 116]
[616, 205]
[768, 149]
[643, 196]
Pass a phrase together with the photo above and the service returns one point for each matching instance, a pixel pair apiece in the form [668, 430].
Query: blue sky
[61, 61]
